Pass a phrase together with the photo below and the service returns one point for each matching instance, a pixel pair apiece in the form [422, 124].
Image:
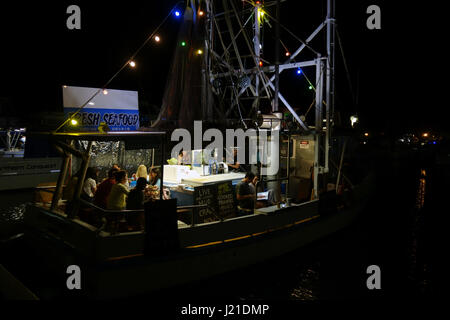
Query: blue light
[177, 13]
[434, 142]
[299, 71]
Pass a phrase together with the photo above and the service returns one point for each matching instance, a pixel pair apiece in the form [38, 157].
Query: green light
[183, 44]
[310, 87]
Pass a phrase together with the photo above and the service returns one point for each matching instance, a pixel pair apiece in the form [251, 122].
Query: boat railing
[107, 212]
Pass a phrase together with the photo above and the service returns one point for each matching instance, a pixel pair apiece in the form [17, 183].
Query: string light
[132, 64]
[288, 53]
[183, 43]
[199, 51]
[201, 13]
[299, 71]
[157, 38]
[177, 13]
[260, 63]
[74, 122]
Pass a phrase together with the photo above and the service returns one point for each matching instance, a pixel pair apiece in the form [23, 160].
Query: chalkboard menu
[220, 200]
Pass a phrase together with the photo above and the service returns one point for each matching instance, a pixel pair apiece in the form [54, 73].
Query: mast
[329, 77]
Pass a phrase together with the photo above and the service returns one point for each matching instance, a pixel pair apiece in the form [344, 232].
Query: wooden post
[61, 179]
[80, 182]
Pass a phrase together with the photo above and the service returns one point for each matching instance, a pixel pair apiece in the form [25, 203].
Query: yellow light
[425, 135]
[132, 64]
[366, 134]
[74, 122]
[105, 92]
[157, 38]
[199, 51]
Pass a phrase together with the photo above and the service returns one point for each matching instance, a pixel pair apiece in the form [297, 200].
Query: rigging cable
[346, 68]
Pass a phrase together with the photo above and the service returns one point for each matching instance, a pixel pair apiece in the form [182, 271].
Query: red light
[260, 63]
[257, 2]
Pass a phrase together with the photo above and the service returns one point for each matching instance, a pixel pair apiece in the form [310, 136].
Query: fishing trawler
[194, 229]
[20, 166]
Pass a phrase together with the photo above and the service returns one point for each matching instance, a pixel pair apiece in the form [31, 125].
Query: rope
[346, 67]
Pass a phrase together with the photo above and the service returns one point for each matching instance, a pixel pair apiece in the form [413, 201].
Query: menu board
[220, 201]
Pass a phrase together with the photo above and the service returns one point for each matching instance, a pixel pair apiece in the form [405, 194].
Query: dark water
[396, 231]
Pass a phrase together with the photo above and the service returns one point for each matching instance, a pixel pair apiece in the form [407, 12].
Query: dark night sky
[395, 70]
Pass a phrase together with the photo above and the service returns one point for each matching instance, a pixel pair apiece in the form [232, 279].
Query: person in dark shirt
[245, 195]
[135, 201]
[104, 189]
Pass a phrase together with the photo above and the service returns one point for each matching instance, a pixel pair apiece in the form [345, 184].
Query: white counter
[205, 180]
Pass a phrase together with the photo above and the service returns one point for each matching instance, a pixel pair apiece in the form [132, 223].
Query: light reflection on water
[420, 199]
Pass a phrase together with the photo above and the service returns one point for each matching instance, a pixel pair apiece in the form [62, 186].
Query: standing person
[104, 189]
[90, 184]
[119, 192]
[235, 166]
[245, 195]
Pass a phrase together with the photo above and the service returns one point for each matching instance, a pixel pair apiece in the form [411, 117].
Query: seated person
[135, 201]
[135, 198]
[155, 177]
[141, 173]
[90, 184]
[119, 192]
[104, 189]
[152, 191]
[245, 195]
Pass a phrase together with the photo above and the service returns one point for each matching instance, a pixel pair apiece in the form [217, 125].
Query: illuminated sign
[119, 109]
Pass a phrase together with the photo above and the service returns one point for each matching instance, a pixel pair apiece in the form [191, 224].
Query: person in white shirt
[90, 184]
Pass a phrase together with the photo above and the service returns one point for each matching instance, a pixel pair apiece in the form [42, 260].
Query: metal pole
[329, 77]
[288, 164]
[277, 58]
[257, 42]
[340, 166]
[318, 125]
[61, 179]
[161, 186]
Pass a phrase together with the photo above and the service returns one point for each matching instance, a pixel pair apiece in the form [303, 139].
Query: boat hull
[110, 271]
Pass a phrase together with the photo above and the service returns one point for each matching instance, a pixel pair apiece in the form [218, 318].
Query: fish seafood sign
[119, 109]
